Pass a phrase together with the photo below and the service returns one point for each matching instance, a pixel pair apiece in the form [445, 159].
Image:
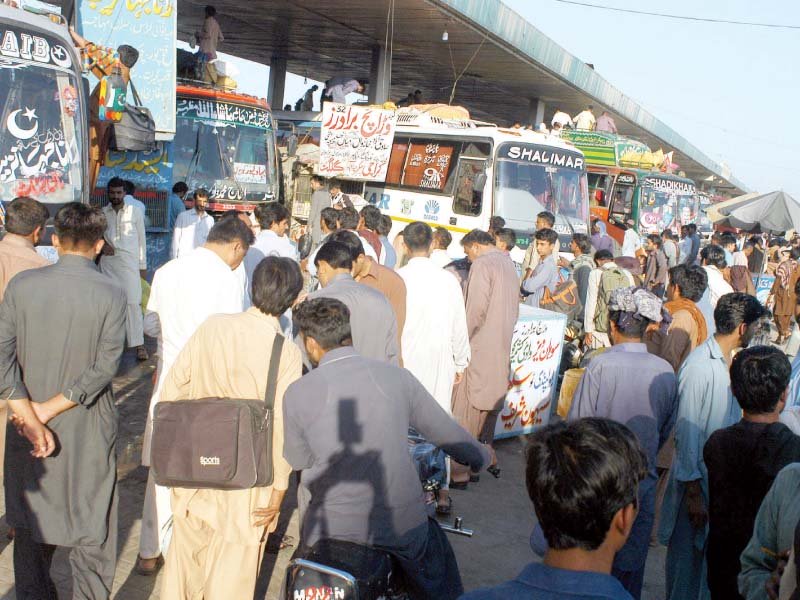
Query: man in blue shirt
[176, 203]
[705, 404]
[583, 479]
[647, 403]
[545, 275]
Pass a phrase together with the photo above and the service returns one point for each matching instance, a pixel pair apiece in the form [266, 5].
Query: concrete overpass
[511, 70]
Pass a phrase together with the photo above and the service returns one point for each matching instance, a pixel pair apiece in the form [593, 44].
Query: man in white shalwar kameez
[192, 227]
[185, 292]
[435, 340]
[127, 267]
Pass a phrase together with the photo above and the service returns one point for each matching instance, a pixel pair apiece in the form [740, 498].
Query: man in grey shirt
[62, 332]
[346, 429]
[373, 322]
[320, 199]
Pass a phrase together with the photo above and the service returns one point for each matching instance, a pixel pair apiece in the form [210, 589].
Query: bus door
[622, 205]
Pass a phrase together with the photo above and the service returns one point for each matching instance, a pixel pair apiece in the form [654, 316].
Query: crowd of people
[696, 449]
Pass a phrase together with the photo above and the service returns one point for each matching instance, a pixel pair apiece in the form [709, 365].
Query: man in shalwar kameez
[62, 332]
[435, 344]
[127, 266]
[492, 305]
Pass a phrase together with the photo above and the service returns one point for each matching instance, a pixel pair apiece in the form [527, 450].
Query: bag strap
[272, 377]
[136, 99]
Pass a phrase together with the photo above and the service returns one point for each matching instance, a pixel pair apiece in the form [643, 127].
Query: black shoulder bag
[136, 131]
[216, 443]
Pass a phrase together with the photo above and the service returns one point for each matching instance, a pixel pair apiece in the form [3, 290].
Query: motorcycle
[340, 570]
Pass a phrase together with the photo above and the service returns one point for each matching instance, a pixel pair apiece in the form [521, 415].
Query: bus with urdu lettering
[458, 173]
[44, 135]
[624, 186]
[224, 142]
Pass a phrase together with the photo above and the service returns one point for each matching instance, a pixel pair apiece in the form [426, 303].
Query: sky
[731, 90]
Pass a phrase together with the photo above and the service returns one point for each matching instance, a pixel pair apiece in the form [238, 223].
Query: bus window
[428, 164]
[657, 211]
[622, 202]
[598, 188]
[567, 193]
[523, 191]
[468, 198]
[397, 160]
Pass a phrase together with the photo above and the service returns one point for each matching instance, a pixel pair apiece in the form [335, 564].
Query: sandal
[286, 541]
[444, 510]
[494, 471]
[141, 353]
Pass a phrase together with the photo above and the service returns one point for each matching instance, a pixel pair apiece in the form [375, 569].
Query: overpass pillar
[380, 75]
[535, 111]
[277, 82]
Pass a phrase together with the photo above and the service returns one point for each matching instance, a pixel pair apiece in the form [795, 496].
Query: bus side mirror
[480, 181]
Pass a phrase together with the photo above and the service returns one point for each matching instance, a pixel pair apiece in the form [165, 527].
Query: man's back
[435, 341]
[186, 291]
[346, 428]
[372, 319]
[70, 346]
[646, 403]
[742, 461]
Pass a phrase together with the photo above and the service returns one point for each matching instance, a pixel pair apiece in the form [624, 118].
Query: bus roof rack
[438, 115]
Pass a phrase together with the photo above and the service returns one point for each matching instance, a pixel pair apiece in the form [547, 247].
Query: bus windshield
[41, 133]
[524, 190]
[657, 211]
[666, 203]
[233, 161]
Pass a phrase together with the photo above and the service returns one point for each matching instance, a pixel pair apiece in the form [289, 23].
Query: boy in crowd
[744, 459]
[545, 275]
[582, 478]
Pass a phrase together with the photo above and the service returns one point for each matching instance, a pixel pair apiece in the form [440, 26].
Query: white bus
[457, 174]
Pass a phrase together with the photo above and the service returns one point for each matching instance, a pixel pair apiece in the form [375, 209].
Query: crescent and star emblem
[17, 131]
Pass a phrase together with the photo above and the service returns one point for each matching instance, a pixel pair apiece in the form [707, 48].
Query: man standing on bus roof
[210, 35]
[561, 119]
[585, 119]
[339, 87]
[192, 226]
[606, 123]
[128, 265]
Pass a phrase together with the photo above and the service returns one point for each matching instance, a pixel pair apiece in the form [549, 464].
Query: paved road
[497, 509]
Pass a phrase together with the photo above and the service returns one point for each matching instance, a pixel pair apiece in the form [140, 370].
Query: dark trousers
[433, 574]
[487, 431]
[93, 567]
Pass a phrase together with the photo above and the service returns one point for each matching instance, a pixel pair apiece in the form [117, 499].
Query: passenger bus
[43, 111]
[458, 173]
[224, 142]
[624, 186]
